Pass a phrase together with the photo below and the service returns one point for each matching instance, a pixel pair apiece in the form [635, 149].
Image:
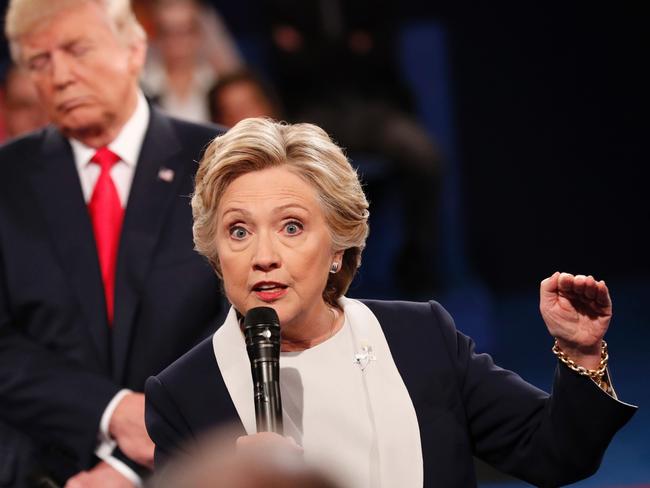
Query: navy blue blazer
[60, 362]
[466, 406]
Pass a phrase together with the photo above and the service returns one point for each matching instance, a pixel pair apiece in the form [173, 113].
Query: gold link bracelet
[597, 375]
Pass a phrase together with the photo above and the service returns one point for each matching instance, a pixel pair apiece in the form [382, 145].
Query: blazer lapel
[58, 191]
[155, 187]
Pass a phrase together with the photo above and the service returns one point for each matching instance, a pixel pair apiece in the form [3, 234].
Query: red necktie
[106, 214]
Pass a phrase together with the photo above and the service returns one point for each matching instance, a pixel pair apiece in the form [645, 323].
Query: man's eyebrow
[46, 52]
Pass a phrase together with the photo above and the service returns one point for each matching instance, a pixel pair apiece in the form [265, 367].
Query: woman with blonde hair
[381, 393]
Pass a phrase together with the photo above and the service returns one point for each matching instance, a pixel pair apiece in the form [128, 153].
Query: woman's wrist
[586, 366]
[587, 357]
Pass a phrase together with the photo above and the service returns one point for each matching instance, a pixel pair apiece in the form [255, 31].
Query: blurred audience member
[143, 12]
[335, 64]
[240, 95]
[215, 463]
[331, 51]
[21, 109]
[191, 48]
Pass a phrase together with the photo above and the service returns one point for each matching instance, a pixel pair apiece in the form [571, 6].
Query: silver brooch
[363, 357]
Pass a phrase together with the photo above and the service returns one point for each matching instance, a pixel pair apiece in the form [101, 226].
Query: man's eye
[39, 63]
[238, 232]
[78, 49]
[293, 228]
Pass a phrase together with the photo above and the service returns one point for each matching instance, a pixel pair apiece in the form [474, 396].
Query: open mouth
[268, 291]
[269, 287]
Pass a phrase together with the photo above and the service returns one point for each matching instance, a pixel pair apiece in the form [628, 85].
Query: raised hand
[577, 311]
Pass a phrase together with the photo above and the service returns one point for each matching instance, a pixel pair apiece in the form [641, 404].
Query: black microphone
[262, 332]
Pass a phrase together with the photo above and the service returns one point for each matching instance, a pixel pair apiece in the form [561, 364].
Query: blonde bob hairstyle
[24, 16]
[255, 144]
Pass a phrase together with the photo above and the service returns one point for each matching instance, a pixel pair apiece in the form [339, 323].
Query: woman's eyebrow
[238, 210]
[290, 206]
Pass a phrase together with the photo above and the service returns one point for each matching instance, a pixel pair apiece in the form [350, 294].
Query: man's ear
[137, 55]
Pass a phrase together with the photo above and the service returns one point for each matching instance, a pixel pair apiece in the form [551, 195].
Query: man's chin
[81, 126]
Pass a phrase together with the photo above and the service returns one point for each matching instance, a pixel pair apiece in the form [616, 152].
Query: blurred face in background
[21, 108]
[86, 77]
[178, 31]
[240, 100]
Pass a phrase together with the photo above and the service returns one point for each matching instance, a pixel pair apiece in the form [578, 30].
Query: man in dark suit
[99, 284]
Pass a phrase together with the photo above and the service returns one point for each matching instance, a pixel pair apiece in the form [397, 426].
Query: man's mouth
[71, 104]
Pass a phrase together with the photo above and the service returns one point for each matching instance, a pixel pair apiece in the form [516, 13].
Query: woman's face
[274, 247]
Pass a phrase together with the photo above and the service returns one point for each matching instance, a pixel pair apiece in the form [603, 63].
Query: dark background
[550, 112]
[548, 109]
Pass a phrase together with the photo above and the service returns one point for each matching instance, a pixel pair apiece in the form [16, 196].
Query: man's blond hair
[23, 16]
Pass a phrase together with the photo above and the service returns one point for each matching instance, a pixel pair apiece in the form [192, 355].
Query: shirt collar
[128, 142]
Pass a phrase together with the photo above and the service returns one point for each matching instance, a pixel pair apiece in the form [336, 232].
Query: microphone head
[261, 316]
[262, 332]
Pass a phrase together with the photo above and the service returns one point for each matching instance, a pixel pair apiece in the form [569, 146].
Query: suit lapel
[150, 200]
[58, 191]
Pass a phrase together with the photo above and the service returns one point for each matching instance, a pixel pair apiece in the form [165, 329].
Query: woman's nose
[266, 256]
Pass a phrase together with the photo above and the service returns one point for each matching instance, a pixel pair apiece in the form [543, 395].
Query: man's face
[85, 75]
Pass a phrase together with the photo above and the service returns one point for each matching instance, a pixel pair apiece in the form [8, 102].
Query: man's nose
[62, 69]
[266, 256]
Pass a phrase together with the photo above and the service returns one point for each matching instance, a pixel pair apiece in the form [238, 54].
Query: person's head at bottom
[213, 463]
[281, 215]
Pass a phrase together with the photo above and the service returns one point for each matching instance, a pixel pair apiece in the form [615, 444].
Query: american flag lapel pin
[166, 175]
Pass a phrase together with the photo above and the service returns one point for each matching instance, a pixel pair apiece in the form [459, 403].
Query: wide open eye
[293, 228]
[238, 232]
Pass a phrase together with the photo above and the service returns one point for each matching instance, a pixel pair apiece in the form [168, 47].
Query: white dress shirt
[126, 146]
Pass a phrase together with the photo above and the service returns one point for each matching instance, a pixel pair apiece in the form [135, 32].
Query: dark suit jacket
[60, 363]
[464, 403]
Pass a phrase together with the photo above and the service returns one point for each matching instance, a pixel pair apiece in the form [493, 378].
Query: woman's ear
[338, 258]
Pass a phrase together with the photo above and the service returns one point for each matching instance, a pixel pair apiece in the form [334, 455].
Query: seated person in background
[336, 64]
[21, 109]
[386, 393]
[190, 50]
[240, 95]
